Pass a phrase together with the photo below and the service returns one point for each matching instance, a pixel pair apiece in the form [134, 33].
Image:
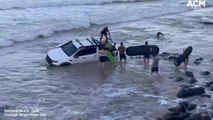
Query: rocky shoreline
[187, 110]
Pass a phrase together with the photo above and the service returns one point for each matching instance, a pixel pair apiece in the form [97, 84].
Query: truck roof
[86, 43]
[83, 43]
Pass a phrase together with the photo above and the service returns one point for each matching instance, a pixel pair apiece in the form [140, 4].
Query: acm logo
[196, 3]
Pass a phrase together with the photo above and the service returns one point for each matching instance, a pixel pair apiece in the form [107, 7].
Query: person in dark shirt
[122, 50]
[155, 65]
[146, 56]
[105, 32]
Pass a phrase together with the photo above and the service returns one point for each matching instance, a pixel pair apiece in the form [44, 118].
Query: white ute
[74, 52]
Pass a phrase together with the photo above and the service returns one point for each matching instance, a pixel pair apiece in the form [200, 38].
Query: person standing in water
[105, 32]
[155, 65]
[146, 56]
[122, 50]
[102, 57]
[186, 61]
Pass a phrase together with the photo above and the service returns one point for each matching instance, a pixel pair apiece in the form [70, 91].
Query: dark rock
[203, 105]
[211, 107]
[174, 116]
[208, 84]
[205, 73]
[171, 77]
[184, 105]
[199, 59]
[199, 116]
[180, 108]
[198, 90]
[211, 115]
[178, 112]
[190, 91]
[171, 57]
[192, 80]
[205, 95]
[189, 74]
[191, 107]
[187, 85]
[197, 62]
[170, 116]
[165, 53]
[184, 116]
[179, 79]
[41, 36]
[211, 87]
[174, 109]
[185, 92]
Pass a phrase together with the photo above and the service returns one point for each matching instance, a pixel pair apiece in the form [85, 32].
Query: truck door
[85, 55]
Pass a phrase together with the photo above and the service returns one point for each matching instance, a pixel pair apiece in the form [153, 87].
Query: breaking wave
[25, 4]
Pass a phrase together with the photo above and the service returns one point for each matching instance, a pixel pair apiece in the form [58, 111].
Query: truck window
[86, 51]
[69, 48]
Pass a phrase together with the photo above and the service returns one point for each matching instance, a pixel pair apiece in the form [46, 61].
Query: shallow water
[84, 91]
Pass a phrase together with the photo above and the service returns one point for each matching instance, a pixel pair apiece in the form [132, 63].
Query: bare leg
[147, 61]
[144, 61]
[106, 37]
[101, 36]
[99, 64]
[158, 75]
[186, 63]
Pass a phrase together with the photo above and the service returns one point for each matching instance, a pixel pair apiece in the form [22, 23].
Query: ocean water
[30, 28]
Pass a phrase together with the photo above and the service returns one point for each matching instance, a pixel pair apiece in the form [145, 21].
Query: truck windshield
[69, 48]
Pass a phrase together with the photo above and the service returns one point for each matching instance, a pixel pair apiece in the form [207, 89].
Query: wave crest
[22, 37]
[25, 4]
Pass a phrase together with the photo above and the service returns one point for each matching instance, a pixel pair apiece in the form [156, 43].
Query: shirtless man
[105, 32]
